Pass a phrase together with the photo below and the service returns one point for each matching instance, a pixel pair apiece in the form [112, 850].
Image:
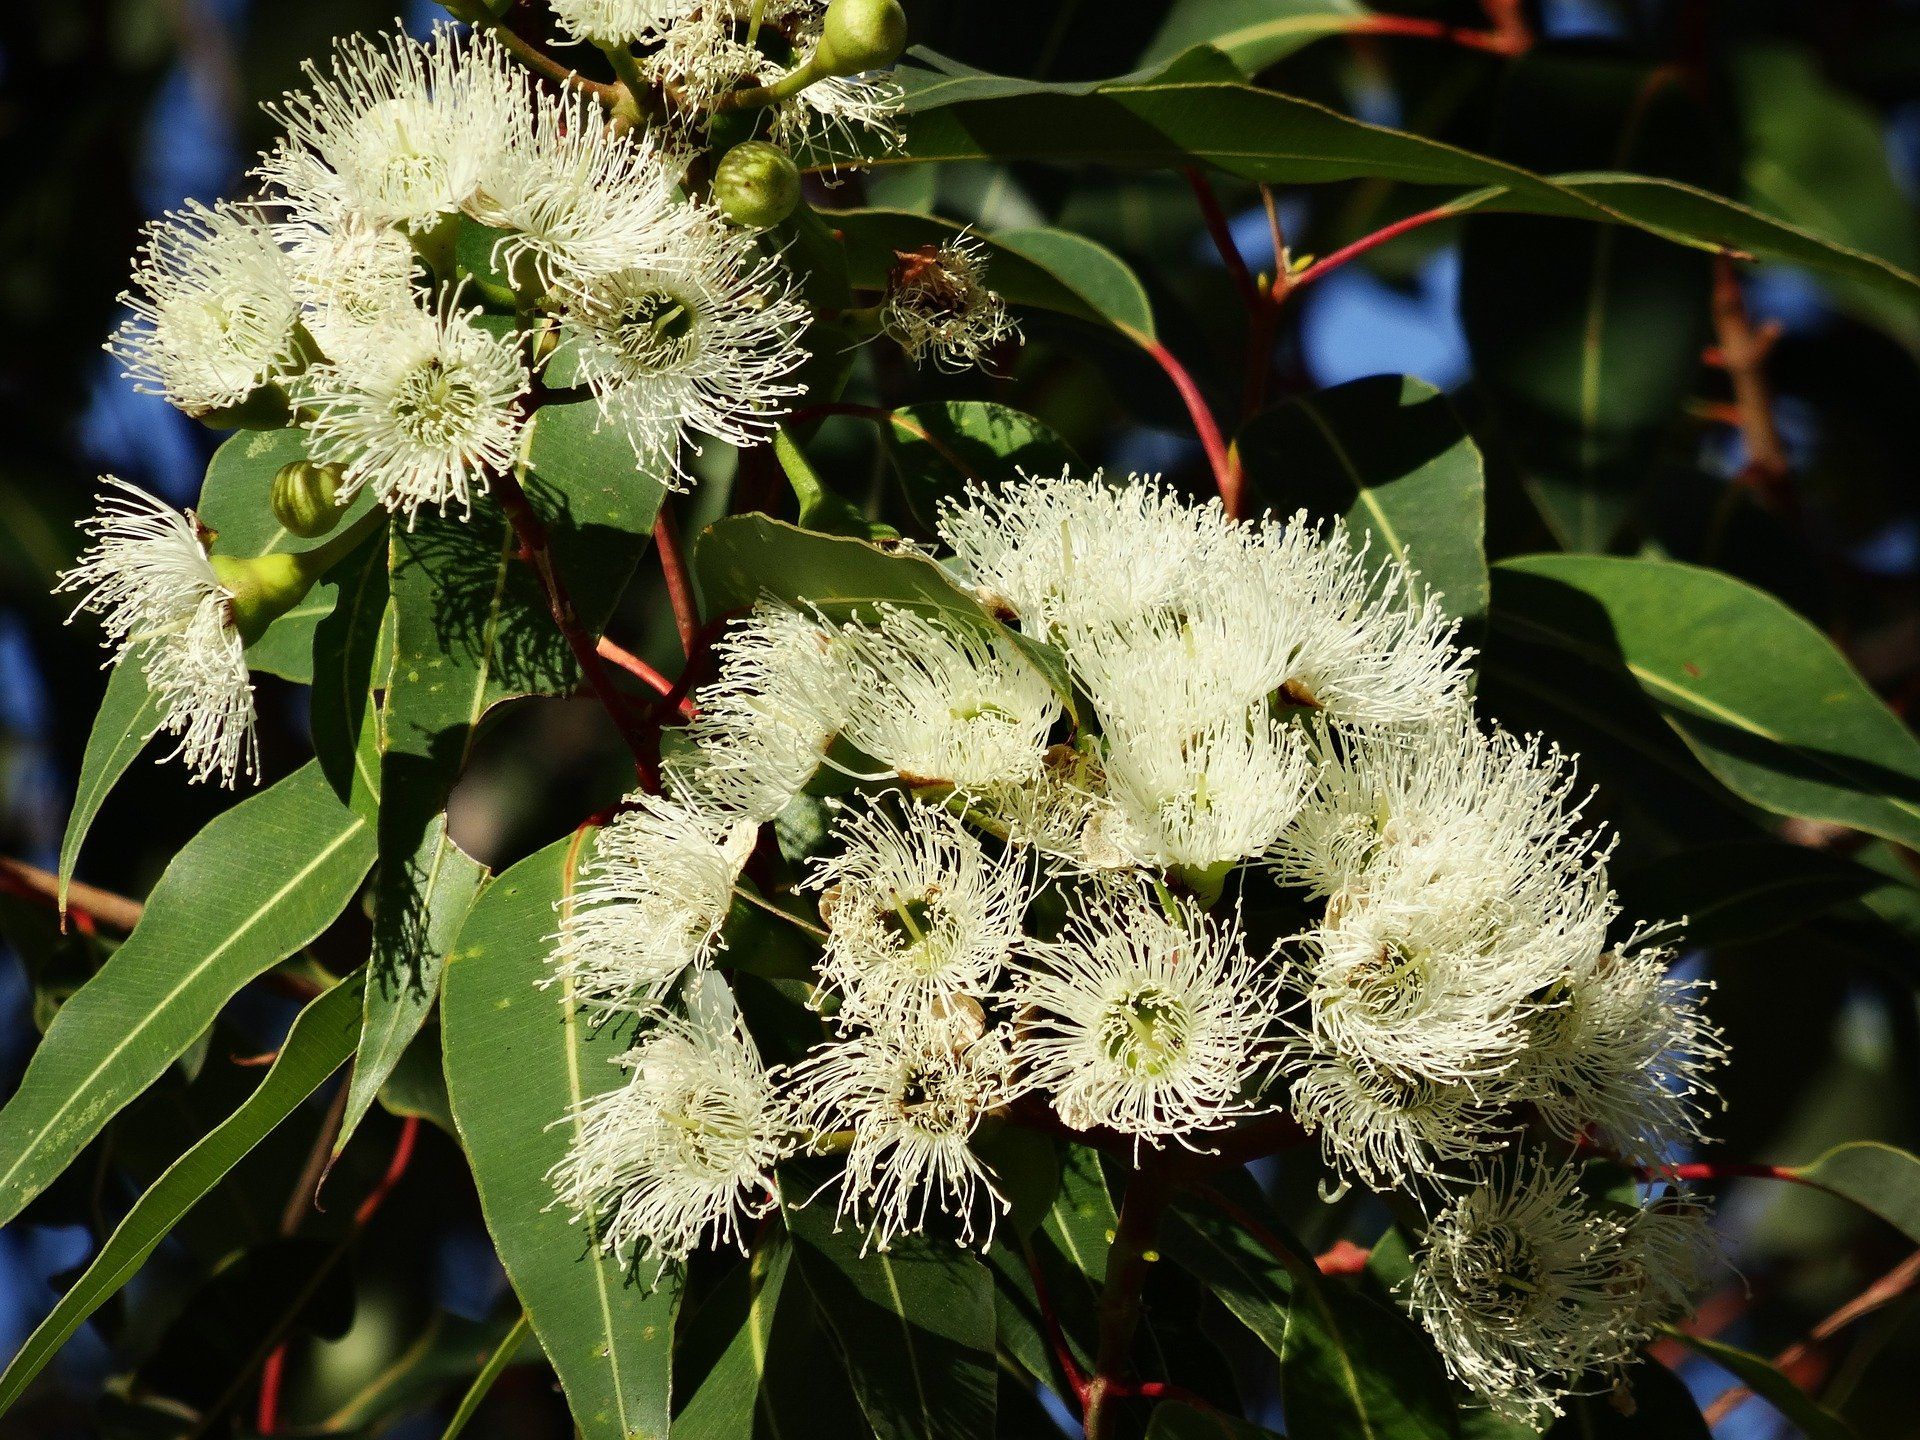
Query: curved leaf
[129, 717]
[944, 445]
[1759, 695]
[1253, 34]
[915, 1324]
[1389, 454]
[1265, 136]
[520, 1057]
[1102, 280]
[1758, 1375]
[253, 887]
[1876, 1177]
[1173, 1420]
[316, 1046]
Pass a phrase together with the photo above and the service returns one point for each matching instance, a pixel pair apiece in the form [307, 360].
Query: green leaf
[1104, 282]
[1758, 1375]
[236, 502]
[129, 717]
[502, 1356]
[1742, 891]
[1660, 1409]
[941, 446]
[349, 648]
[1760, 696]
[520, 1058]
[1814, 155]
[253, 887]
[1173, 1420]
[1252, 33]
[914, 1322]
[821, 508]
[1265, 136]
[1586, 339]
[399, 996]
[744, 557]
[1389, 454]
[316, 1046]
[1347, 1365]
[1876, 1177]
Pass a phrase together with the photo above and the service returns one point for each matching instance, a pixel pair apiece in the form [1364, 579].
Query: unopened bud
[860, 35]
[262, 589]
[304, 498]
[756, 185]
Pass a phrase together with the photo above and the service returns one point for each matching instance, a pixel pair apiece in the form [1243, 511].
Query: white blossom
[1530, 1293]
[214, 309]
[582, 199]
[400, 132]
[349, 275]
[1619, 1051]
[702, 341]
[1387, 1130]
[684, 1151]
[1481, 816]
[148, 576]
[1063, 553]
[917, 912]
[941, 702]
[907, 1098]
[1159, 1028]
[1375, 647]
[766, 721]
[418, 407]
[1201, 797]
[620, 22]
[938, 306]
[652, 901]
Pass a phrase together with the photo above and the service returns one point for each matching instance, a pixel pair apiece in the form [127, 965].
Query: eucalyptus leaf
[253, 887]
[521, 1056]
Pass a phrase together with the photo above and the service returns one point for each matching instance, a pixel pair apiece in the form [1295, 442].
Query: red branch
[1503, 41]
[673, 566]
[1222, 234]
[1286, 285]
[641, 671]
[1345, 1258]
[1726, 1170]
[1225, 467]
[1049, 1317]
[535, 549]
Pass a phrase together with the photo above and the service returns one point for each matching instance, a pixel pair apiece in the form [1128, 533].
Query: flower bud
[860, 35]
[756, 185]
[261, 590]
[304, 498]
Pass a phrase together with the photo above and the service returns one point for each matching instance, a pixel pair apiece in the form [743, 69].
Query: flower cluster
[1049, 823]
[435, 236]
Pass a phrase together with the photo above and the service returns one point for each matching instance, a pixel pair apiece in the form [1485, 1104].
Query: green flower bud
[262, 589]
[756, 185]
[304, 498]
[860, 35]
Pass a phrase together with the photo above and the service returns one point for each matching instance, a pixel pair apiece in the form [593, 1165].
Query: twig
[1222, 234]
[1742, 349]
[673, 567]
[1225, 467]
[538, 552]
[30, 882]
[1148, 1194]
[544, 65]
[1884, 1291]
[1494, 42]
[641, 671]
[1345, 1258]
[1287, 284]
[1050, 1318]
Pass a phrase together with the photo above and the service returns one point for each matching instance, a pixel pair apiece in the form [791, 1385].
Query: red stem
[1222, 234]
[1495, 42]
[531, 531]
[1062, 1352]
[1225, 467]
[1725, 1170]
[1345, 1258]
[673, 565]
[641, 671]
[267, 1413]
[1287, 285]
